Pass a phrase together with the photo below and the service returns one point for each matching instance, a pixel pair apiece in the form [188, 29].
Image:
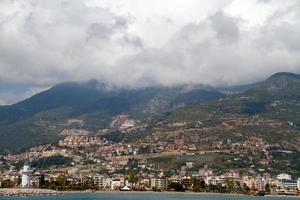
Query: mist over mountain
[42, 116]
[39, 116]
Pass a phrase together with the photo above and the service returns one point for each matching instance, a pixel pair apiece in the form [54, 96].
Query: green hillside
[276, 100]
[41, 118]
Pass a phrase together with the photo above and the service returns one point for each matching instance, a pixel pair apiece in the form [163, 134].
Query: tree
[133, 179]
[273, 186]
[239, 187]
[42, 181]
[246, 189]
[268, 188]
[19, 180]
[62, 182]
[198, 185]
[176, 186]
[202, 184]
[230, 185]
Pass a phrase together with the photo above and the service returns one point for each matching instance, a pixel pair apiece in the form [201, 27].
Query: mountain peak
[281, 85]
[284, 75]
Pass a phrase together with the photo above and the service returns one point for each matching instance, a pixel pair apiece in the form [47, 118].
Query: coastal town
[204, 180]
[150, 99]
[175, 158]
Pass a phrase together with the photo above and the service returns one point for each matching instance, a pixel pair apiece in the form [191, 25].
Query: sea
[128, 196]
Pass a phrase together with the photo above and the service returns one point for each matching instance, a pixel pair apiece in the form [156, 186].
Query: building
[215, 180]
[260, 184]
[160, 183]
[102, 181]
[26, 175]
[189, 165]
[298, 184]
[284, 176]
[205, 172]
[290, 184]
[116, 184]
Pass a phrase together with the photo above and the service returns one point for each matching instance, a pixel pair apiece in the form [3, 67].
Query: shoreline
[169, 193]
[48, 192]
[151, 192]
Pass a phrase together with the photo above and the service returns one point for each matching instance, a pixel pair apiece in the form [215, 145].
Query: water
[127, 196]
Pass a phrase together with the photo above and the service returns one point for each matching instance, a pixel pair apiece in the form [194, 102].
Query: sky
[138, 43]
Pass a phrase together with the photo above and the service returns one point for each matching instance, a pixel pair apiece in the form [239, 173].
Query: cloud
[217, 51]
[226, 27]
[135, 43]
[45, 42]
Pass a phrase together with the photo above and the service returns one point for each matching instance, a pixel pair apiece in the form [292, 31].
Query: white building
[260, 184]
[102, 181]
[116, 184]
[189, 165]
[290, 184]
[215, 180]
[284, 176]
[298, 184]
[26, 175]
[160, 183]
[205, 172]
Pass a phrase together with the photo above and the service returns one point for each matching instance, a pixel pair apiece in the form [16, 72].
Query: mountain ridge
[40, 117]
[92, 102]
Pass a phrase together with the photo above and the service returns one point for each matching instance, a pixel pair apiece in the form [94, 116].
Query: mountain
[40, 119]
[261, 123]
[279, 86]
[270, 109]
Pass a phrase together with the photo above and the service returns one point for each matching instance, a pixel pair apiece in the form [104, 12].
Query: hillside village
[174, 152]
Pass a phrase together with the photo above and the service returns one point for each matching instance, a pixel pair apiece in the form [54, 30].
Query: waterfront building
[102, 181]
[160, 183]
[260, 184]
[214, 180]
[116, 184]
[26, 175]
[289, 184]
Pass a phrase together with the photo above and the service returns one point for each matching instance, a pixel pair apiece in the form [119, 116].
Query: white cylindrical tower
[26, 175]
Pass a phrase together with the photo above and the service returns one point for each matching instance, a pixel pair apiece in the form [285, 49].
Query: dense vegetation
[46, 163]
